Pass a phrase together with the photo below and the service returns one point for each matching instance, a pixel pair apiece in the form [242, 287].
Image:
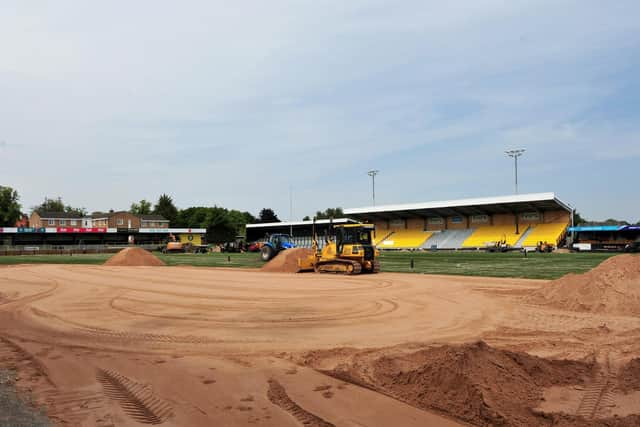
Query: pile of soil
[287, 261]
[134, 257]
[473, 382]
[612, 288]
[629, 376]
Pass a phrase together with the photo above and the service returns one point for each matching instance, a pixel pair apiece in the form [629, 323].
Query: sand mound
[134, 257]
[287, 261]
[613, 288]
[629, 376]
[473, 382]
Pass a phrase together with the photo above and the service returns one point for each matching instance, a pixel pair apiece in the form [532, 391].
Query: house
[122, 219]
[153, 221]
[55, 219]
[97, 219]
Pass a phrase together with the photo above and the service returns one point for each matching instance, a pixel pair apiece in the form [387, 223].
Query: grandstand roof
[477, 206]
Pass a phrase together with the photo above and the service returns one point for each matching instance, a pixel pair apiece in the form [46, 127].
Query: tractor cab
[274, 244]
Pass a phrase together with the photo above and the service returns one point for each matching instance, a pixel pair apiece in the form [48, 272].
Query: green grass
[512, 264]
[243, 260]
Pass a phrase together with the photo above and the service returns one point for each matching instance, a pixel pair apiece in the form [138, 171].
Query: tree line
[222, 224]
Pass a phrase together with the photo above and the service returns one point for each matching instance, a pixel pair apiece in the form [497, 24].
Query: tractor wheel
[266, 253]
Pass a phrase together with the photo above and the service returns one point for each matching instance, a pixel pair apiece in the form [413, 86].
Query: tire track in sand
[278, 396]
[599, 393]
[137, 400]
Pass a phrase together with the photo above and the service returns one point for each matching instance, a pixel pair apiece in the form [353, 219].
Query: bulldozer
[352, 252]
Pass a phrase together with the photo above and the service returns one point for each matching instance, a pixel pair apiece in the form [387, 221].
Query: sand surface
[105, 346]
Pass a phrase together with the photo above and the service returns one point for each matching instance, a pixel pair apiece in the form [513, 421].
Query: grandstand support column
[517, 223]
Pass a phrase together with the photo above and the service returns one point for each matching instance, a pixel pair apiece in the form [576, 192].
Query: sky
[242, 104]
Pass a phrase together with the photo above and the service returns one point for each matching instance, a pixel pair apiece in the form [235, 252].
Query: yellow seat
[489, 234]
[381, 234]
[550, 233]
[404, 239]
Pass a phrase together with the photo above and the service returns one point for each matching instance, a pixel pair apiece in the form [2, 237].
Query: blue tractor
[274, 244]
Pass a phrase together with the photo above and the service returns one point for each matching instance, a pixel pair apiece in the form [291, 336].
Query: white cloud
[230, 103]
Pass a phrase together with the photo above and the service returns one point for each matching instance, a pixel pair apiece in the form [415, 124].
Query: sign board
[80, 230]
[396, 223]
[436, 220]
[127, 230]
[31, 230]
[530, 216]
[480, 219]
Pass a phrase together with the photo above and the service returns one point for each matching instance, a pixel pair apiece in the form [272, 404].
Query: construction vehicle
[352, 252]
[498, 246]
[273, 244]
[173, 245]
[544, 247]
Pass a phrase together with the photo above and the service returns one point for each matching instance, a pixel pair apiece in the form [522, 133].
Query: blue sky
[233, 103]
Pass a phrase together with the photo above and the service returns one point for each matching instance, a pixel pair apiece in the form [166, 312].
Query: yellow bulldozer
[352, 252]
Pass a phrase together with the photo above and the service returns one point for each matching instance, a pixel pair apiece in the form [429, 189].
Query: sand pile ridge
[613, 287]
[134, 257]
[287, 261]
[474, 382]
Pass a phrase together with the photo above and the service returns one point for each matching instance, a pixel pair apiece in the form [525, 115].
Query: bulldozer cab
[357, 234]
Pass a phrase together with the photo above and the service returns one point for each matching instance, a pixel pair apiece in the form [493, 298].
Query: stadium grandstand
[515, 222]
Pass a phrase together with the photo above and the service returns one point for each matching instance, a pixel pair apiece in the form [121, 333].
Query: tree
[166, 208]
[50, 205]
[330, 213]
[578, 219]
[220, 223]
[57, 205]
[220, 229]
[9, 206]
[142, 208]
[306, 218]
[267, 215]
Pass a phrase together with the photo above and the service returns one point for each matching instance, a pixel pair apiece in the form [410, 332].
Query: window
[456, 220]
[73, 222]
[397, 223]
[63, 222]
[436, 221]
[120, 221]
[530, 216]
[479, 219]
[52, 222]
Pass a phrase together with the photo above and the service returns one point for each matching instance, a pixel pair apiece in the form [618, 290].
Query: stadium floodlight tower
[372, 173]
[515, 154]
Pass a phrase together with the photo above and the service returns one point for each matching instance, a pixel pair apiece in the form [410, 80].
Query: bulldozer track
[350, 267]
[598, 394]
[278, 396]
[158, 338]
[137, 400]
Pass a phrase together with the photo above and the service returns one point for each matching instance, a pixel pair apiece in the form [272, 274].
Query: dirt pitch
[180, 346]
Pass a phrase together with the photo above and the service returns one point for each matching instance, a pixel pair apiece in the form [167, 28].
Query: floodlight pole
[372, 173]
[515, 154]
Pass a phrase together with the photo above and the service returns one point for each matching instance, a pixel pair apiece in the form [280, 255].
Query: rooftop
[59, 215]
[475, 206]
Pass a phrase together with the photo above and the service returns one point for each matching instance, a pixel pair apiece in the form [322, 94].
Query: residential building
[55, 219]
[153, 221]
